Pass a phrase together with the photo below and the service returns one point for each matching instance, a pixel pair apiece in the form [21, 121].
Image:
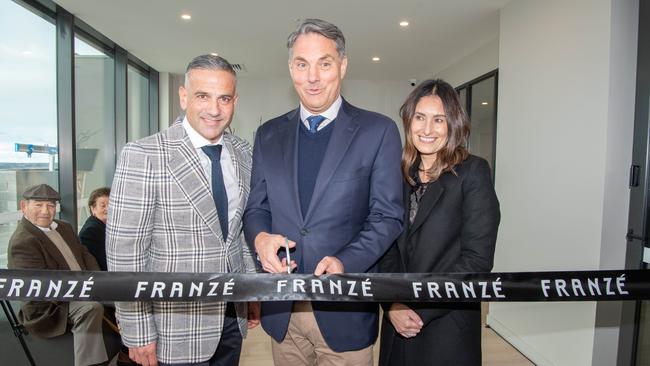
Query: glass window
[137, 104]
[643, 342]
[28, 138]
[483, 120]
[94, 118]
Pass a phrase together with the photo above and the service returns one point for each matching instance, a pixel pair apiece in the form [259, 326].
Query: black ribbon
[44, 285]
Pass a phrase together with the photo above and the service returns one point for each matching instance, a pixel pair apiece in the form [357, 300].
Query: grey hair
[209, 62]
[324, 28]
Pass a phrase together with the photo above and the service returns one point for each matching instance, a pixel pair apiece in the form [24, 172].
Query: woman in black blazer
[93, 233]
[450, 225]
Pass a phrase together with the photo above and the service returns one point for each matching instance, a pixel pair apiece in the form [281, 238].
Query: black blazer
[455, 230]
[93, 236]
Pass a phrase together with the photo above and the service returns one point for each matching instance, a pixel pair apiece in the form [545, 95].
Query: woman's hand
[406, 321]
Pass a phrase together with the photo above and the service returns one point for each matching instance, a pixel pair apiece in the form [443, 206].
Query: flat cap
[41, 192]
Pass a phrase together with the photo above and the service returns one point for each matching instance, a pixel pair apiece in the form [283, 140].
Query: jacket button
[303, 232]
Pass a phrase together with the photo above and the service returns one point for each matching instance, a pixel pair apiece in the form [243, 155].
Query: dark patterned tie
[314, 121]
[219, 194]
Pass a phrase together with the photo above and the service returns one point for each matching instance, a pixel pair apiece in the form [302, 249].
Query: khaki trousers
[304, 344]
[85, 319]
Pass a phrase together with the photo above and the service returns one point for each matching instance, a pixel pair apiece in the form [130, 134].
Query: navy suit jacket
[355, 211]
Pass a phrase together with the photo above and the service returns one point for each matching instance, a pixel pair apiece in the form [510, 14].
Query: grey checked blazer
[162, 219]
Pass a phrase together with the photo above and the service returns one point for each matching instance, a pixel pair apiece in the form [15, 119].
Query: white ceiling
[254, 33]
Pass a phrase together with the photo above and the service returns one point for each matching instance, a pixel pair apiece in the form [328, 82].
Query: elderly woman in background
[451, 221]
[93, 236]
[93, 233]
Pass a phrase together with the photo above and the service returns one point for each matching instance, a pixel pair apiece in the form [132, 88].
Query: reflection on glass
[137, 104]
[28, 104]
[643, 342]
[94, 116]
[483, 120]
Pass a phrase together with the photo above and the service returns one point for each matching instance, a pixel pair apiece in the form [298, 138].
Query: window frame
[67, 27]
[467, 103]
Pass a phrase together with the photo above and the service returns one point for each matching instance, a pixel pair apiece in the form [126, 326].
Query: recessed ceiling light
[404, 23]
[484, 103]
[376, 59]
[27, 53]
[214, 54]
[186, 16]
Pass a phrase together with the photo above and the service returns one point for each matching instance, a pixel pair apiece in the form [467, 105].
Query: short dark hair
[209, 62]
[97, 194]
[324, 28]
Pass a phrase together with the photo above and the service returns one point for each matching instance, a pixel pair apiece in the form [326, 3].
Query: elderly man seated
[41, 242]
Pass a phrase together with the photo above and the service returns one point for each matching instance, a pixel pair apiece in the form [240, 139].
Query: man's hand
[329, 265]
[406, 321]
[145, 355]
[253, 314]
[267, 246]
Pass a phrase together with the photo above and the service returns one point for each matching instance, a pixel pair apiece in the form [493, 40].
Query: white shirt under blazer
[162, 219]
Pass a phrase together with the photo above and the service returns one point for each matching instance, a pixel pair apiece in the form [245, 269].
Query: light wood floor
[256, 350]
[496, 351]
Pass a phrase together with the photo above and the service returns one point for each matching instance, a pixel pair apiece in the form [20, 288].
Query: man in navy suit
[326, 180]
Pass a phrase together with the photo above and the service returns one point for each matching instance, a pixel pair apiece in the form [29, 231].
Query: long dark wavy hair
[455, 149]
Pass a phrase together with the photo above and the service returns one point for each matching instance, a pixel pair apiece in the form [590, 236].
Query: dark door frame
[639, 211]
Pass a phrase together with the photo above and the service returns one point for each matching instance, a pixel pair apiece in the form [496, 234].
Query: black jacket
[93, 236]
[455, 230]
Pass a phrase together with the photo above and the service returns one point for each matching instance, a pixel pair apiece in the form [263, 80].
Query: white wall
[263, 99]
[623, 57]
[566, 94]
[563, 144]
[259, 101]
[477, 63]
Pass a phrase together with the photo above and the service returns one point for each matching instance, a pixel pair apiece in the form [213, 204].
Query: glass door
[634, 344]
[479, 96]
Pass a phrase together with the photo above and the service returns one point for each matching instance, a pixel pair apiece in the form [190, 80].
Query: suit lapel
[429, 200]
[185, 168]
[237, 156]
[69, 237]
[49, 246]
[288, 131]
[345, 128]
[401, 242]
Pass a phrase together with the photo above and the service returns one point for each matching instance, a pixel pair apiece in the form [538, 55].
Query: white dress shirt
[330, 114]
[227, 167]
[52, 226]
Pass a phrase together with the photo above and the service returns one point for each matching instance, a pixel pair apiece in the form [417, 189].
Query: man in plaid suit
[172, 201]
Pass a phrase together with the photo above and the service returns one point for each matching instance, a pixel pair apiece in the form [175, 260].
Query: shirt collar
[197, 140]
[53, 226]
[330, 113]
